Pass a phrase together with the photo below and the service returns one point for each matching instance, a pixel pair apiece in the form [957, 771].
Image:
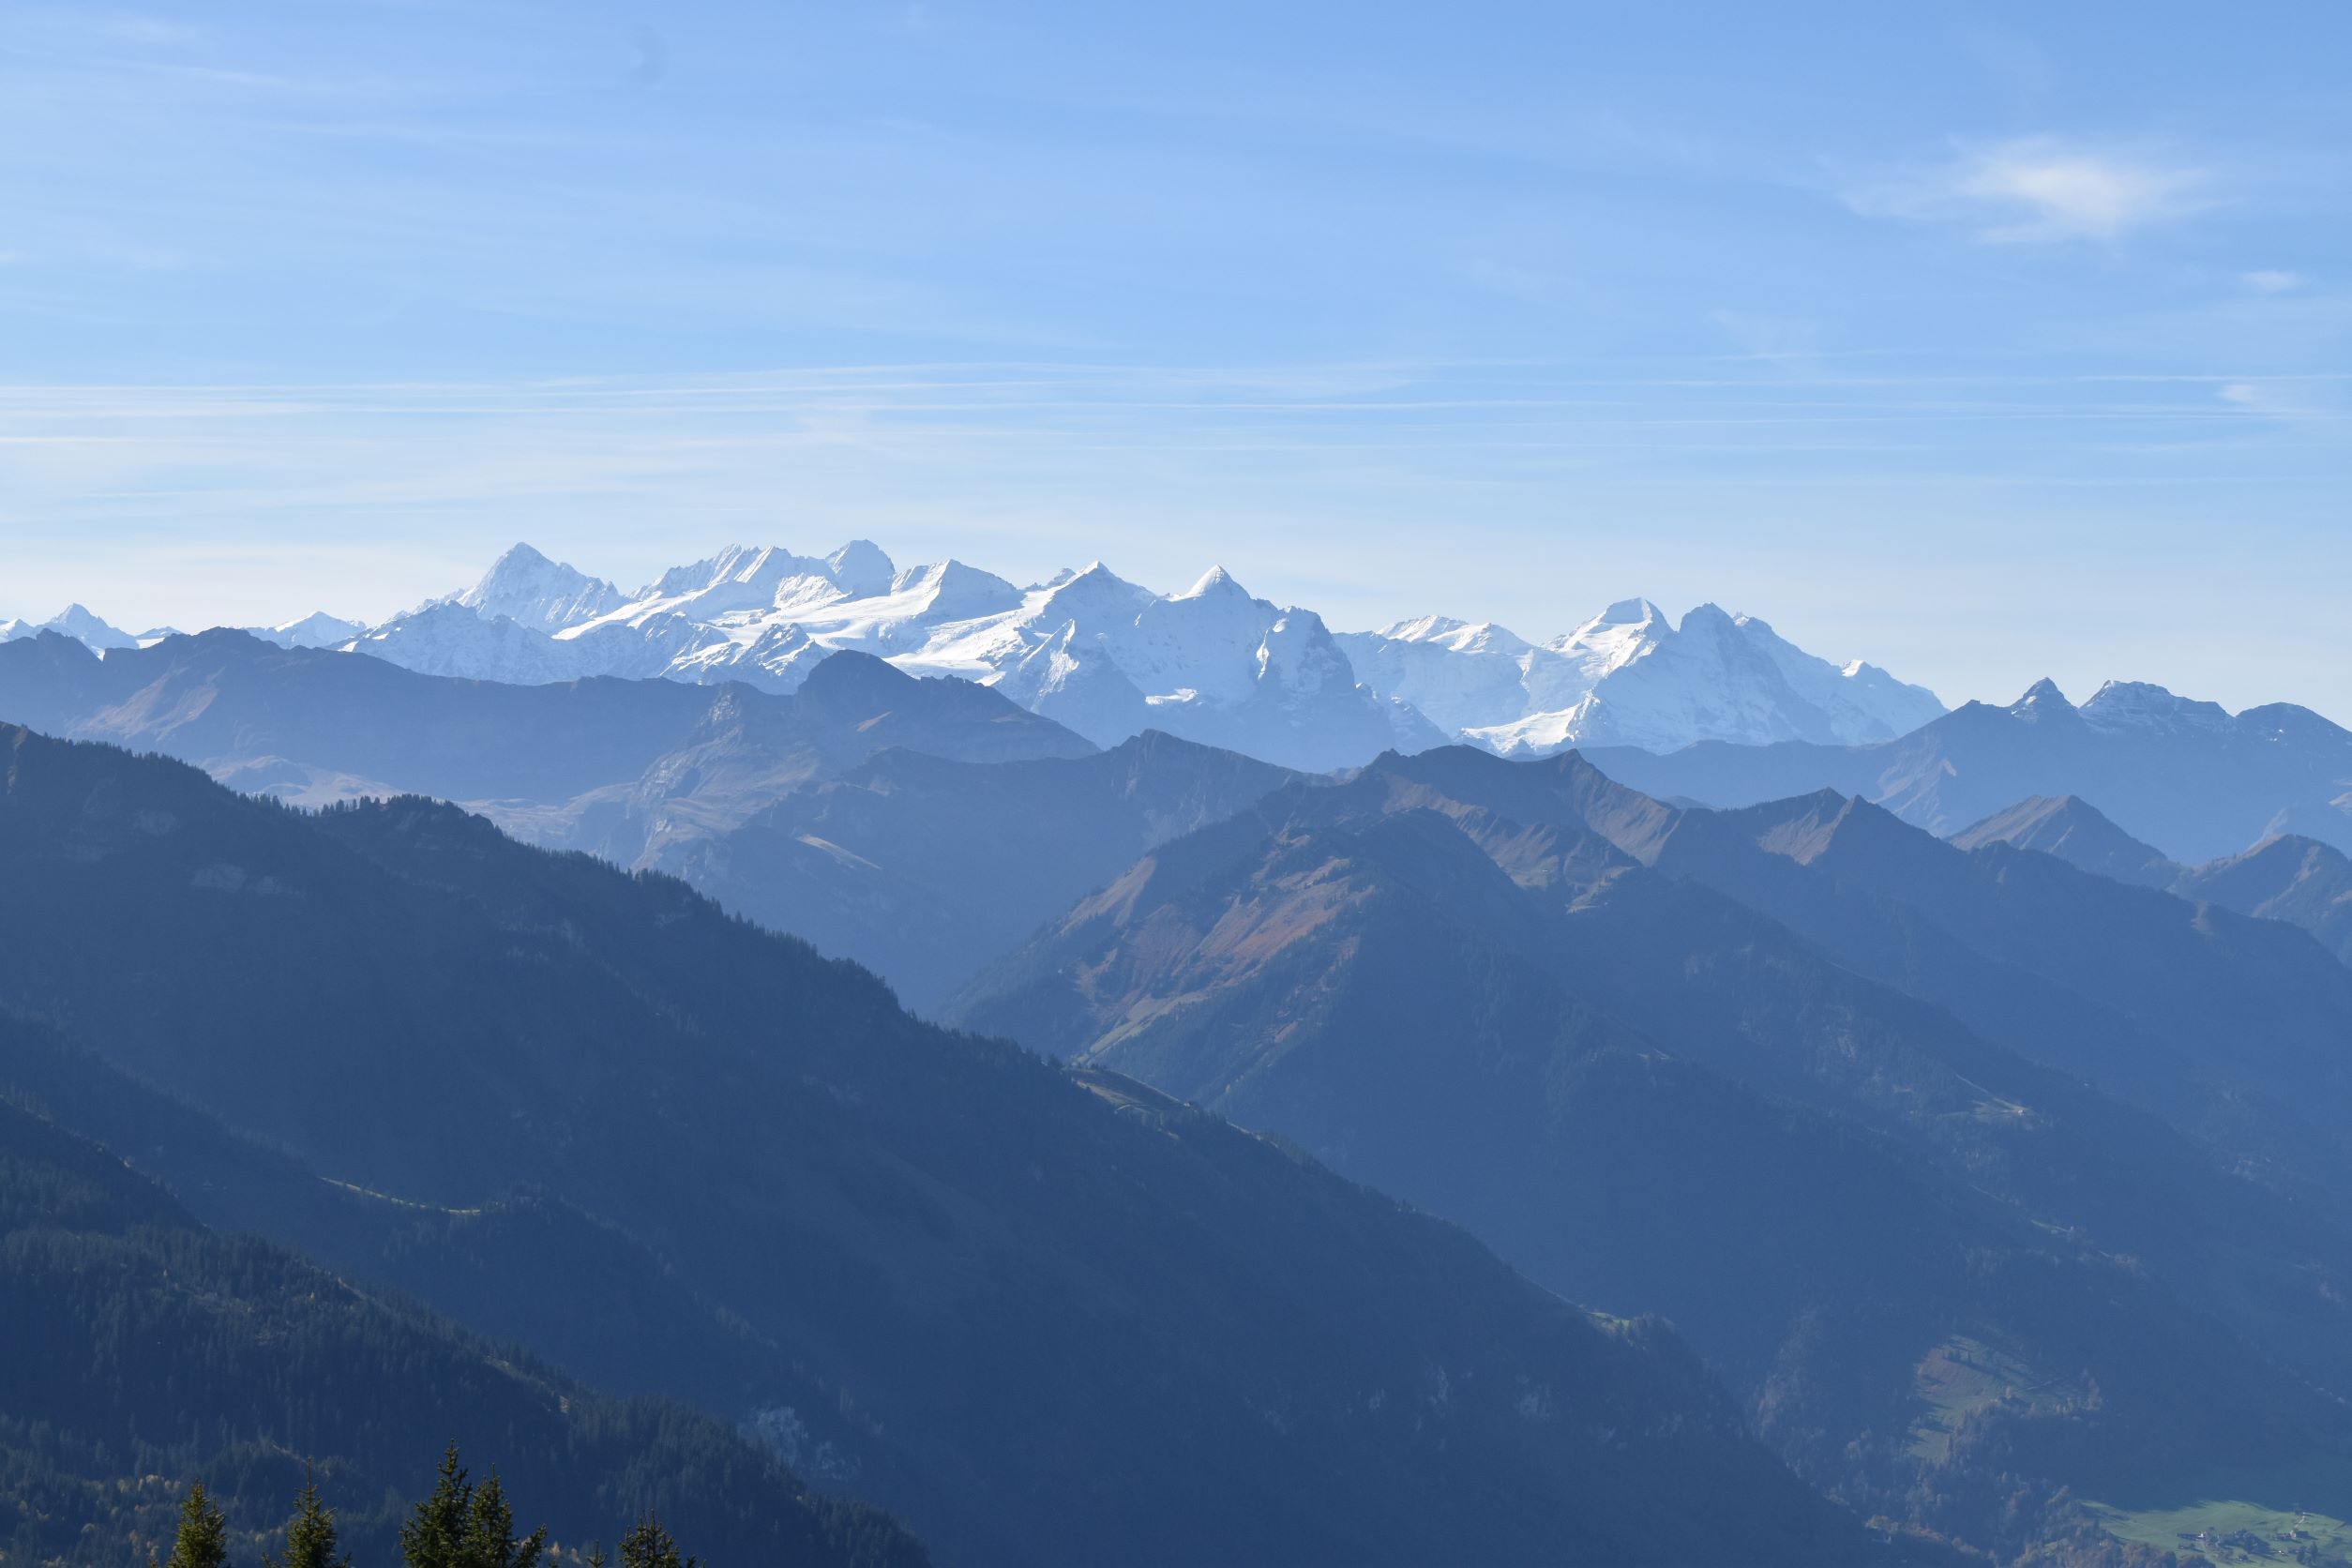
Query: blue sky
[1984, 343]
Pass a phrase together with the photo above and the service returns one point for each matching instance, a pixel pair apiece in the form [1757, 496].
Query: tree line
[463, 1524]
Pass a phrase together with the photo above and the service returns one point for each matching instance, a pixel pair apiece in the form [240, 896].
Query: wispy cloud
[2320, 406]
[2042, 189]
[2271, 281]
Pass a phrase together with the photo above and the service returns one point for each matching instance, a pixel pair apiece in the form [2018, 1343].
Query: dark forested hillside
[1065, 1319]
[143, 1351]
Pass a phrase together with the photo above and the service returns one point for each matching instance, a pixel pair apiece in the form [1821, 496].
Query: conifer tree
[434, 1535]
[649, 1546]
[310, 1535]
[463, 1525]
[203, 1535]
[490, 1532]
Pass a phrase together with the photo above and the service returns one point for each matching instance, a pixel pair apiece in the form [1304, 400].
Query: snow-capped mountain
[311, 631]
[74, 622]
[1110, 658]
[1630, 677]
[1104, 656]
[528, 589]
[318, 630]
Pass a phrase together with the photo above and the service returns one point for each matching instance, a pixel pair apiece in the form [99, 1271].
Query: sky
[1984, 343]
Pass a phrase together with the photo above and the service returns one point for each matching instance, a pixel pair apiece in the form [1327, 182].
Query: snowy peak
[695, 576]
[1631, 676]
[316, 630]
[1621, 632]
[1426, 628]
[2043, 703]
[756, 577]
[1457, 636]
[1216, 583]
[2138, 705]
[1109, 658]
[951, 591]
[1632, 613]
[860, 569]
[529, 590]
[76, 622]
[1094, 593]
[743, 584]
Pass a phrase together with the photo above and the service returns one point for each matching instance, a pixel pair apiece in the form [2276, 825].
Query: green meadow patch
[2234, 1530]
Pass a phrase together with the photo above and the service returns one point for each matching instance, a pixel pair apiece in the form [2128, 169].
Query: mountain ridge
[2284, 877]
[2185, 776]
[1110, 658]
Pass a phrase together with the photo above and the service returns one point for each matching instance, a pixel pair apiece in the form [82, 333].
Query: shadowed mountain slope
[2075, 831]
[1478, 983]
[1081, 1322]
[2300, 880]
[144, 1352]
[923, 869]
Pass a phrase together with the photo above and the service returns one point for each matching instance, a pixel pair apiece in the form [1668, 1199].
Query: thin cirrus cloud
[2043, 190]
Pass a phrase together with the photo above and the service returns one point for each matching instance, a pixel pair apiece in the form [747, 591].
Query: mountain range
[1041, 1314]
[1991, 1173]
[1958, 1163]
[1109, 659]
[2195, 780]
[2284, 877]
[865, 811]
[1631, 677]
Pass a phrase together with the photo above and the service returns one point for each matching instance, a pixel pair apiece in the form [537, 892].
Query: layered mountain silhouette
[312, 724]
[861, 811]
[925, 867]
[2290, 878]
[2076, 832]
[1736, 1067]
[655, 773]
[1042, 1315]
[2192, 779]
